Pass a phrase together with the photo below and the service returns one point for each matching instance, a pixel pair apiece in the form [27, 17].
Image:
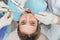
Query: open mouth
[28, 11]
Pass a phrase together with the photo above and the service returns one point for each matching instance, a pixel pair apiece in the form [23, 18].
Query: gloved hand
[6, 19]
[46, 18]
[3, 6]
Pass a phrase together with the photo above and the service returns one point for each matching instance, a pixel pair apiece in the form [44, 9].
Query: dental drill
[18, 6]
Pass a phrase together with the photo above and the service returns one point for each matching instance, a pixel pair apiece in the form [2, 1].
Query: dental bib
[35, 5]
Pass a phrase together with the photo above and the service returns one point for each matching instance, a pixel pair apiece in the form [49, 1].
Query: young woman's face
[28, 23]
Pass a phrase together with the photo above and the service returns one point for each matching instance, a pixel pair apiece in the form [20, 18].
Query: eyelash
[32, 23]
[23, 23]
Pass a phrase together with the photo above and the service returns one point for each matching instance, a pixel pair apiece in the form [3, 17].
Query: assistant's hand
[46, 18]
[6, 19]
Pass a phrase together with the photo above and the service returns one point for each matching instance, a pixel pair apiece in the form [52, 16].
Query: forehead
[28, 16]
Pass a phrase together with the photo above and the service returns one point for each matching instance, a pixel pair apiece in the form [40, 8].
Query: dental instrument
[18, 6]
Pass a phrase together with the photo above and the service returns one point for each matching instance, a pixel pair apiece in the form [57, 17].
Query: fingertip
[6, 15]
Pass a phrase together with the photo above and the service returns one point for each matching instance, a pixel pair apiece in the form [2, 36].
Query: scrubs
[53, 31]
[54, 5]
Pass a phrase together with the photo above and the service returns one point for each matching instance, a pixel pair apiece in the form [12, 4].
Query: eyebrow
[31, 21]
[23, 21]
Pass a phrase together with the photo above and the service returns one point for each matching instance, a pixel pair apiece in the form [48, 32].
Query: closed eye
[32, 23]
[23, 23]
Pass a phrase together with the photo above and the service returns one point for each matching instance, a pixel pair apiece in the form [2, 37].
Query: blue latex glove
[2, 31]
[36, 5]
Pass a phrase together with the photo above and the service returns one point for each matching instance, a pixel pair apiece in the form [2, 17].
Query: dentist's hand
[6, 19]
[3, 6]
[46, 18]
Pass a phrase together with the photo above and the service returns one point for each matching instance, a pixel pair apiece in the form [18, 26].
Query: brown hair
[33, 36]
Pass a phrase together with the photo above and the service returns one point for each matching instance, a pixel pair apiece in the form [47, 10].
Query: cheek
[28, 29]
